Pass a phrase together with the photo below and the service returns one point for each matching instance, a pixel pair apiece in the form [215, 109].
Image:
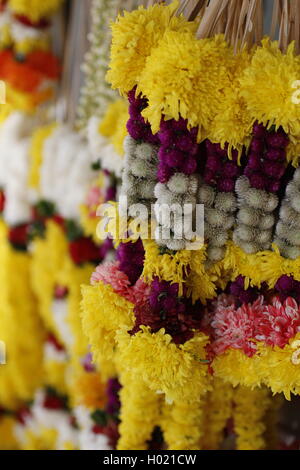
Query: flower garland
[250, 408]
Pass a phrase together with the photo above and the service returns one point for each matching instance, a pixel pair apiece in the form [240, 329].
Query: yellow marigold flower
[133, 37]
[103, 312]
[248, 414]
[35, 9]
[136, 426]
[217, 410]
[182, 424]
[180, 372]
[233, 123]
[185, 77]
[113, 125]
[89, 390]
[267, 87]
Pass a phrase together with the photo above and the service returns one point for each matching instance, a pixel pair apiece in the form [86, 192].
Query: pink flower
[109, 273]
[278, 322]
[233, 329]
[140, 292]
[273, 324]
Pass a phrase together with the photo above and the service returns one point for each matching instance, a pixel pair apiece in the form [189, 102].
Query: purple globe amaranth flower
[287, 286]
[164, 309]
[230, 170]
[277, 154]
[285, 283]
[137, 127]
[277, 139]
[210, 177]
[187, 144]
[189, 166]
[273, 186]
[259, 130]
[257, 180]
[173, 157]
[273, 169]
[254, 162]
[226, 185]
[179, 150]
[131, 256]
[221, 151]
[166, 137]
[219, 170]
[242, 295]
[257, 145]
[164, 173]
[213, 163]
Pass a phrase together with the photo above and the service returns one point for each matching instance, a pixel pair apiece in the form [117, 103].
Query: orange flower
[90, 390]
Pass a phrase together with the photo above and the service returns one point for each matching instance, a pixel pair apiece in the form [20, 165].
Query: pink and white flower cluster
[273, 323]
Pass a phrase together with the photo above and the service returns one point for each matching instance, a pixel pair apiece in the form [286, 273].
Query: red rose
[97, 429]
[18, 235]
[84, 250]
[52, 402]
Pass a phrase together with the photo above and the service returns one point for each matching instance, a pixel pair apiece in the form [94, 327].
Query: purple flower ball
[189, 166]
[185, 143]
[273, 186]
[226, 185]
[273, 169]
[174, 158]
[166, 137]
[257, 145]
[257, 181]
[277, 139]
[275, 154]
[259, 130]
[254, 162]
[285, 283]
[230, 170]
[213, 163]
[164, 173]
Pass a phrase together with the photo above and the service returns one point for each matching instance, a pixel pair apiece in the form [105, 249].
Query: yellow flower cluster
[140, 413]
[248, 414]
[113, 124]
[19, 325]
[204, 81]
[217, 410]
[35, 10]
[134, 36]
[182, 424]
[270, 366]
[184, 267]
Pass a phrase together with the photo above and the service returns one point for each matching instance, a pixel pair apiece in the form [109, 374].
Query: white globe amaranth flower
[206, 195]
[225, 202]
[178, 183]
